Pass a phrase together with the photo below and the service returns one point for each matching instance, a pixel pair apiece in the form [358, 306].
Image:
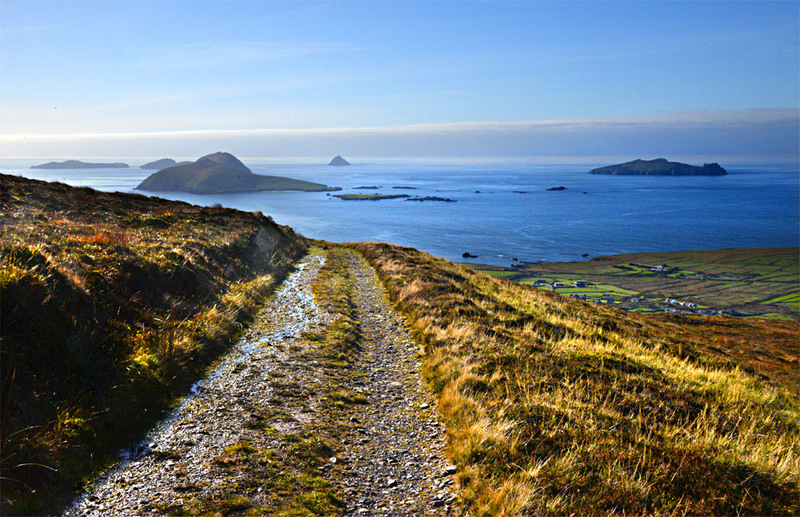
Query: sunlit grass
[112, 305]
[555, 406]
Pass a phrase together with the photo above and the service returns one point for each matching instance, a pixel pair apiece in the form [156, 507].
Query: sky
[538, 81]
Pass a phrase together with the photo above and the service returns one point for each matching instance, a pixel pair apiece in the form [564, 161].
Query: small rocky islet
[338, 161]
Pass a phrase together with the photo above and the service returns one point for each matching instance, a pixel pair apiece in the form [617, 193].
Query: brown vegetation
[112, 304]
[556, 407]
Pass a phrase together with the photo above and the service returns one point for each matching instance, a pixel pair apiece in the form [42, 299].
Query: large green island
[660, 167]
[221, 173]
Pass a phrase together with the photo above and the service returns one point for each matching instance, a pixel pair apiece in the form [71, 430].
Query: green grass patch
[791, 300]
[728, 279]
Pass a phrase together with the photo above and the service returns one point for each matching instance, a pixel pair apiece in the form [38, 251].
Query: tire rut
[395, 445]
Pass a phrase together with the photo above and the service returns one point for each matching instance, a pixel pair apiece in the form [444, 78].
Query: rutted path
[246, 439]
[396, 463]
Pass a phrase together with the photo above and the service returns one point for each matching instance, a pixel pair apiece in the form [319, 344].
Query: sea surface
[505, 211]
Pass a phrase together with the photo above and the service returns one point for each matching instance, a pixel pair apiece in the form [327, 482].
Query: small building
[557, 285]
[579, 283]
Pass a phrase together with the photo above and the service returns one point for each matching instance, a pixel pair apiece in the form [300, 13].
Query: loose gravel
[388, 457]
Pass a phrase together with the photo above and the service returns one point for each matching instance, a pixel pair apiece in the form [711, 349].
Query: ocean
[505, 211]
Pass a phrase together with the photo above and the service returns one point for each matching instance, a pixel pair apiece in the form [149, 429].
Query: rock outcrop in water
[660, 167]
[338, 161]
[220, 173]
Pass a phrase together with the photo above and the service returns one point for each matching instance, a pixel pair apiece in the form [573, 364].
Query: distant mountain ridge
[219, 173]
[77, 164]
[660, 167]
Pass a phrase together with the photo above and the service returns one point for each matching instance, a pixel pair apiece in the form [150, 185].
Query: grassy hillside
[555, 406]
[754, 281]
[111, 305]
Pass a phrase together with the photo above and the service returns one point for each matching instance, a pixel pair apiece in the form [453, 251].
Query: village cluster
[670, 305]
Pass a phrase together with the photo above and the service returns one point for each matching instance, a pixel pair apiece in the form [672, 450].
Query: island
[159, 164]
[221, 173]
[77, 164]
[369, 197]
[660, 167]
[338, 161]
[556, 189]
[431, 198]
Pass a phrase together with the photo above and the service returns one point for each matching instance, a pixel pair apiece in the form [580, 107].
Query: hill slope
[660, 167]
[558, 407]
[114, 303]
[111, 305]
[220, 173]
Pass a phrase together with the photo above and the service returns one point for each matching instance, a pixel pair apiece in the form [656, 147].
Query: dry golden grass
[558, 407]
[111, 305]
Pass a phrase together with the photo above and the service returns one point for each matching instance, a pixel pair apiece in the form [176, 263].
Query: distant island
[221, 173]
[660, 167]
[338, 161]
[76, 164]
[369, 197]
[159, 164]
[431, 198]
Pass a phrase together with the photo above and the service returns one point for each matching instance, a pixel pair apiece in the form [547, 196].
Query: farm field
[743, 281]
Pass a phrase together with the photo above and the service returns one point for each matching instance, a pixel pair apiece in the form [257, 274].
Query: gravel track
[396, 463]
[388, 453]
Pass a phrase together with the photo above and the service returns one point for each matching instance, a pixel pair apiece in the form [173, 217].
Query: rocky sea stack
[660, 167]
[338, 161]
[221, 173]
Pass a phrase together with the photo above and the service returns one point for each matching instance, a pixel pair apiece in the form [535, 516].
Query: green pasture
[756, 281]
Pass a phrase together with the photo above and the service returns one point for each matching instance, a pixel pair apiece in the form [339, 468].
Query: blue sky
[92, 74]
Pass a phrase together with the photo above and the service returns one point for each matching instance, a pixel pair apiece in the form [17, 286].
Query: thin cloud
[677, 119]
[215, 54]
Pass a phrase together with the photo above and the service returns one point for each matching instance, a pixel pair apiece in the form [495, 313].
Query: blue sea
[505, 211]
